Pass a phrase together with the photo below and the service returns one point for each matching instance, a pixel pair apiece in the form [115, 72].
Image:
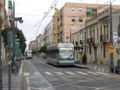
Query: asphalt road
[38, 75]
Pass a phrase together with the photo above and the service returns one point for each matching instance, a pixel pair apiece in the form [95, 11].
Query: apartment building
[73, 15]
[55, 26]
[31, 45]
[48, 34]
[98, 37]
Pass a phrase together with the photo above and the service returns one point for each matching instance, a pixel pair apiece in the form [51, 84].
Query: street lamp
[18, 19]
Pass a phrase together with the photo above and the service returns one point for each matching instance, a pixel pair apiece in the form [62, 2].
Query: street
[38, 75]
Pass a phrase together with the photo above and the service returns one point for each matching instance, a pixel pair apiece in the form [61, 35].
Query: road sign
[111, 48]
[115, 35]
[115, 43]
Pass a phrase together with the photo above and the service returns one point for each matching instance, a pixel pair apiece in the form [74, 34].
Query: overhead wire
[49, 10]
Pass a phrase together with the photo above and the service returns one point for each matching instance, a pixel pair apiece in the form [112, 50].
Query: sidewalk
[15, 85]
[95, 67]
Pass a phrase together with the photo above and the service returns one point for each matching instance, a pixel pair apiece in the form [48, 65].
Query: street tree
[19, 35]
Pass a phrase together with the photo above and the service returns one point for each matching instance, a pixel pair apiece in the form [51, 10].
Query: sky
[32, 12]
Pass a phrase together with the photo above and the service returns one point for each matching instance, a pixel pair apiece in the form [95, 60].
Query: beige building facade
[72, 16]
[98, 37]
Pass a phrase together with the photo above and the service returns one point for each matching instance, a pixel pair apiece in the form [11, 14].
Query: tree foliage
[19, 35]
[43, 49]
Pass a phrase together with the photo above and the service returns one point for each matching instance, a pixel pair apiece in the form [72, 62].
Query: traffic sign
[111, 48]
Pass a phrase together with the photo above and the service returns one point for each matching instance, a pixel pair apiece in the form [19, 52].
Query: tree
[43, 49]
[19, 35]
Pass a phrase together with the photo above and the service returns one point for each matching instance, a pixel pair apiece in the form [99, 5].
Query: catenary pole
[111, 41]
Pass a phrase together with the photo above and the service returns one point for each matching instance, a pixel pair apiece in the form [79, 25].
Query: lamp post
[13, 30]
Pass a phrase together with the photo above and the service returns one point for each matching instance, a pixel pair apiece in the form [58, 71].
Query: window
[76, 42]
[80, 19]
[67, 37]
[119, 27]
[73, 19]
[72, 27]
[80, 9]
[90, 50]
[104, 54]
[73, 9]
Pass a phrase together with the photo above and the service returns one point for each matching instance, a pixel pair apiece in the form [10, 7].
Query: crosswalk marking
[93, 73]
[103, 73]
[48, 73]
[37, 73]
[82, 73]
[26, 74]
[74, 73]
[71, 73]
[59, 73]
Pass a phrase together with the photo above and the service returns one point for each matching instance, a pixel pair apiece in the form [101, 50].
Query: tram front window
[66, 53]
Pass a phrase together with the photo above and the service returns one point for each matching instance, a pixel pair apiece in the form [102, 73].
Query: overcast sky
[32, 11]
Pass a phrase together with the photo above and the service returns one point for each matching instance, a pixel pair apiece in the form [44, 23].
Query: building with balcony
[98, 36]
[72, 16]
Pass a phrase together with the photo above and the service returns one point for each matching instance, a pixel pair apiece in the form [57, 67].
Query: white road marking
[103, 73]
[26, 74]
[27, 80]
[48, 73]
[21, 69]
[37, 73]
[59, 73]
[93, 73]
[70, 73]
[82, 73]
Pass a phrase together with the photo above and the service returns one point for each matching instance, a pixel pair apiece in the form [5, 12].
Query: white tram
[61, 54]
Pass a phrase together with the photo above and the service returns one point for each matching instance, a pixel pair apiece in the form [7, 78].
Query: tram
[61, 54]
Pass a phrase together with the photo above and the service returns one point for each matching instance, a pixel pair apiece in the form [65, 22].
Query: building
[55, 26]
[48, 34]
[4, 15]
[72, 15]
[31, 45]
[98, 36]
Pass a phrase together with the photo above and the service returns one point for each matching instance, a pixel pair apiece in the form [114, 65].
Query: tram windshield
[66, 53]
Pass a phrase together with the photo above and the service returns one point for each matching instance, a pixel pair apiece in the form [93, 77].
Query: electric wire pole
[111, 41]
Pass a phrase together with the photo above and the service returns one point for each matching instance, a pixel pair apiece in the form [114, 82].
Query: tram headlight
[71, 57]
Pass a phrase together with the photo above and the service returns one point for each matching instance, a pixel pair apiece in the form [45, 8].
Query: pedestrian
[84, 61]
